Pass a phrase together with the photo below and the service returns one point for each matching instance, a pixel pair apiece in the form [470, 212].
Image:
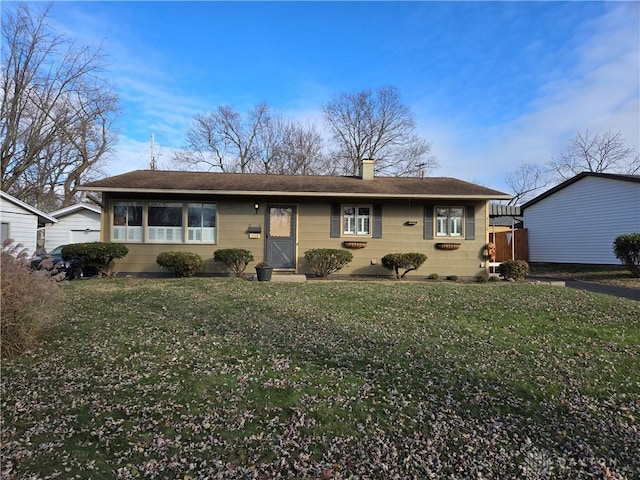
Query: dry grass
[30, 302]
[226, 378]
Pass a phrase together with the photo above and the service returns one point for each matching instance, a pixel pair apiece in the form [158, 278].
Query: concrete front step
[288, 278]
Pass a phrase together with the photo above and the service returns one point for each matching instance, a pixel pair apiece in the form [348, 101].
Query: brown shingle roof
[161, 181]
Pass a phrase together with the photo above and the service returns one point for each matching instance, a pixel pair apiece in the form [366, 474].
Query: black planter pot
[264, 273]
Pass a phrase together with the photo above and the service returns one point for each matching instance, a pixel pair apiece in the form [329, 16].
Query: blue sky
[491, 84]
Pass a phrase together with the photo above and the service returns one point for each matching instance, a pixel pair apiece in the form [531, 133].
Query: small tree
[236, 259]
[406, 261]
[325, 261]
[100, 255]
[182, 264]
[626, 248]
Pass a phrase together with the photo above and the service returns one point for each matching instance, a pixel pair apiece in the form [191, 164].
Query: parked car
[55, 264]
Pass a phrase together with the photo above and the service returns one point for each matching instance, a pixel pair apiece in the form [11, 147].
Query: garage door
[81, 236]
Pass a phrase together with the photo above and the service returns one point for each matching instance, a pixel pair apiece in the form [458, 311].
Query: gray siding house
[578, 220]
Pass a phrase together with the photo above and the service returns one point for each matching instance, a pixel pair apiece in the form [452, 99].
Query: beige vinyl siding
[314, 229]
[234, 216]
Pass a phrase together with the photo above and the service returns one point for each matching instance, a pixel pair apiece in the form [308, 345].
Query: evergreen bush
[99, 255]
[325, 261]
[407, 261]
[236, 259]
[514, 270]
[626, 248]
[182, 264]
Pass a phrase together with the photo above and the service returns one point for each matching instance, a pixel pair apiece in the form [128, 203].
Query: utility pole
[153, 156]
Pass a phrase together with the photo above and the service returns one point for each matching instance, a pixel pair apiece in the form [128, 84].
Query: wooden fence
[512, 244]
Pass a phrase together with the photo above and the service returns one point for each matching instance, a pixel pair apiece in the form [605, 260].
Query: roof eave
[264, 193]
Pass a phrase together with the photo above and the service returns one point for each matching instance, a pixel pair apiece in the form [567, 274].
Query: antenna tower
[153, 165]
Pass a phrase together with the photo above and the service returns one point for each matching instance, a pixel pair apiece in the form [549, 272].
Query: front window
[127, 222]
[356, 220]
[202, 223]
[165, 222]
[449, 221]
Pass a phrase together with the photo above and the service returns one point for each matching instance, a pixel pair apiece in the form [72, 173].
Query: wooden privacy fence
[512, 244]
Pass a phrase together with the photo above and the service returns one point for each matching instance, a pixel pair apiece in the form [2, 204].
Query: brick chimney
[366, 168]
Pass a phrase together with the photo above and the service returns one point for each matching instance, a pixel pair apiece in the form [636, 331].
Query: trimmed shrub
[452, 278]
[236, 259]
[626, 248]
[182, 264]
[433, 276]
[406, 261]
[514, 270]
[482, 277]
[99, 255]
[325, 261]
[31, 303]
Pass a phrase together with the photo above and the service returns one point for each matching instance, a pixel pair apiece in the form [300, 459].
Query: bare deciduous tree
[259, 143]
[56, 114]
[587, 152]
[378, 126]
[224, 140]
[301, 151]
[526, 182]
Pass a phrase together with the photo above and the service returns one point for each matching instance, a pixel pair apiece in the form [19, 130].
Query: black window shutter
[470, 223]
[335, 221]
[377, 221]
[428, 222]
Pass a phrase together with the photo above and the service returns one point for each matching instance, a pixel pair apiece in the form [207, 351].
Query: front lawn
[227, 378]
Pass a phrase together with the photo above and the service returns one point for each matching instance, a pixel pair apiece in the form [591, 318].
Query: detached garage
[578, 220]
[20, 221]
[76, 224]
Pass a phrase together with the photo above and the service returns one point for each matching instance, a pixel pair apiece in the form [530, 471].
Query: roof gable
[43, 217]
[157, 181]
[75, 208]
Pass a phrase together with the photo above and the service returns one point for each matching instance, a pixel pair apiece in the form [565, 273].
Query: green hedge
[100, 255]
[626, 247]
[236, 259]
[182, 264]
[325, 261]
[407, 261]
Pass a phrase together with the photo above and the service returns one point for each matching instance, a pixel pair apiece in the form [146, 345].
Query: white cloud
[601, 94]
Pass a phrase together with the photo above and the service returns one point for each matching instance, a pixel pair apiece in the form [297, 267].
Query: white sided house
[76, 224]
[20, 221]
[578, 220]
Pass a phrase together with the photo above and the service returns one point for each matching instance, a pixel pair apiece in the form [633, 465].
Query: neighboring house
[76, 223]
[20, 221]
[578, 220]
[279, 217]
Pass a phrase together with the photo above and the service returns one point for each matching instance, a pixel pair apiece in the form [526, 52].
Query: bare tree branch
[378, 126]
[587, 152]
[56, 114]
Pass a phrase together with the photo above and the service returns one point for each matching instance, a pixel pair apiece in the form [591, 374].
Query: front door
[281, 236]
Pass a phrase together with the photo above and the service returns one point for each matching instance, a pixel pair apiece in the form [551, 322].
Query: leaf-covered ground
[225, 378]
